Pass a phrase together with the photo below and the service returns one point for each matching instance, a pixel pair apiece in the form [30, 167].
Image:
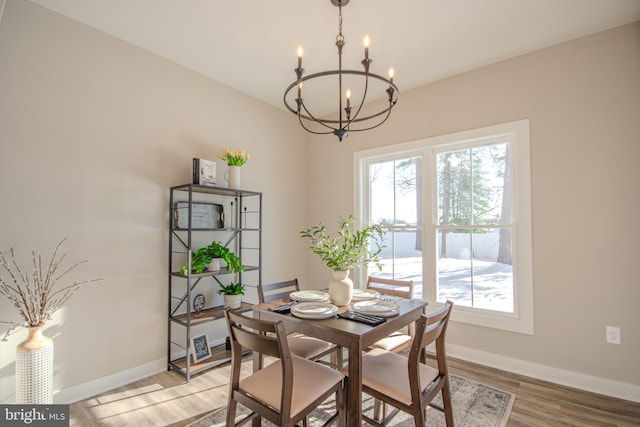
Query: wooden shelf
[195, 188]
[219, 355]
[216, 229]
[207, 315]
[223, 270]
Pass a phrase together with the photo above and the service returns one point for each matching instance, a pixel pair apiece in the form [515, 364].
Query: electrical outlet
[613, 335]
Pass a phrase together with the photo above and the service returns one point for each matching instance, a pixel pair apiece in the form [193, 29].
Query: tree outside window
[474, 227]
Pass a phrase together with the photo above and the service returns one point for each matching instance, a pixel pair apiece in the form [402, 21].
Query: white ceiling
[250, 45]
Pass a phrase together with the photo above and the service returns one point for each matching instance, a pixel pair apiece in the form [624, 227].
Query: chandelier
[349, 119]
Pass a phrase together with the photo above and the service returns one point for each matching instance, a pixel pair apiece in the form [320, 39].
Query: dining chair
[406, 382]
[397, 341]
[285, 391]
[299, 344]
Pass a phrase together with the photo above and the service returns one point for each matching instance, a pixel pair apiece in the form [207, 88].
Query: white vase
[214, 265]
[232, 301]
[341, 288]
[233, 177]
[34, 369]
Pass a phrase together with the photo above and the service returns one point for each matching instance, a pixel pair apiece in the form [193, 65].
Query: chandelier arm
[335, 72]
[364, 97]
[314, 131]
[385, 111]
[388, 111]
[311, 117]
[308, 116]
[361, 119]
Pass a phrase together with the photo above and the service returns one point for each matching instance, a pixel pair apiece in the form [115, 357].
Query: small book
[204, 172]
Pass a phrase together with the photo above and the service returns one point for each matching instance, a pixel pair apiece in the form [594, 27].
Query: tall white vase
[341, 288]
[233, 177]
[34, 369]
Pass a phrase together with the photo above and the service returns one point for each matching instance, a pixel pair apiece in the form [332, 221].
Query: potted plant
[232, 294]
[218, 251]
[200, 259]
[211, 254]
[351, 247]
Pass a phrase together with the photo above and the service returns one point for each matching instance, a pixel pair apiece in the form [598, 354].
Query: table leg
[258, 363]
[354, 386]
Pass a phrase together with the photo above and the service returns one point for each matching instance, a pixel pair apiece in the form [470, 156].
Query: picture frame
[203, 215]
[200, 349]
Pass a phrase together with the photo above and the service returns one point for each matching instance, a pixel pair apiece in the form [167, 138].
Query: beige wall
[93, 131]
[583, 100]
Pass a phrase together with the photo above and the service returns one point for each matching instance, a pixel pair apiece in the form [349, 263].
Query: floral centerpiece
[351, 247]
[234, 157]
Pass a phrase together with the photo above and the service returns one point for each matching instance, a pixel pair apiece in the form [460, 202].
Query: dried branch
[36, 296]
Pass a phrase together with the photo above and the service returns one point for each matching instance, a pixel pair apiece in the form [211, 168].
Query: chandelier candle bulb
[391, 73]
[366, 46]
[300, 53]
[348, 94]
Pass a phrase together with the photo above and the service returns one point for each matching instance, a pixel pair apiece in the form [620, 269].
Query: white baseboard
[100, 385]
[558, 376]
[92, 388]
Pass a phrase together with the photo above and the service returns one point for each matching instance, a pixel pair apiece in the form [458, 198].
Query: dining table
[352, 335]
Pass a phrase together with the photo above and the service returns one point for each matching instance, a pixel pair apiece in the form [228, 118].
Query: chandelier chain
[340, 37]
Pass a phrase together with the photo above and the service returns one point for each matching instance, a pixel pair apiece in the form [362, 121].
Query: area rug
[474, 405]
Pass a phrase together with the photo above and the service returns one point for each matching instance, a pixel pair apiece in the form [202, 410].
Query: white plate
[377, 308]
[314, 310]
[309, 296]
[364, 294]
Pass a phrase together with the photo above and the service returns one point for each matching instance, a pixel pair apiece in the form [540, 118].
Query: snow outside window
[458, 218]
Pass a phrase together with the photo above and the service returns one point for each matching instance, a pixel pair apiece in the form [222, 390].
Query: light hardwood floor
[166, 400]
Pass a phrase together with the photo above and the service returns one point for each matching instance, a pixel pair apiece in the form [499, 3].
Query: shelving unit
[233, 218]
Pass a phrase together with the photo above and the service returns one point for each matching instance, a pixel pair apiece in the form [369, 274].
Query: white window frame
[517, 133]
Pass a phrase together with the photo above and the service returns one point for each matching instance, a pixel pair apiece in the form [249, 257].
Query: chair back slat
[265, 344]
[431, 331]
[252, 334]
[429, 328]
[275, 291]
[398, 288]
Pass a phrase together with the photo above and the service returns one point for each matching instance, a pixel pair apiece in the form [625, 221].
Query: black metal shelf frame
[180, 310]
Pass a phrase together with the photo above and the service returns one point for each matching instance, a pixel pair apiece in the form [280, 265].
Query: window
[457, 207]
[394, 189]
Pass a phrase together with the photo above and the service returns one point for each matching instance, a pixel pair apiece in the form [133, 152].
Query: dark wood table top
[343, 331]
